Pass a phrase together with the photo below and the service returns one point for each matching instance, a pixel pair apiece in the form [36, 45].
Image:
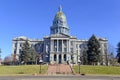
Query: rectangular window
[15, 51]
[15, 44]
[76, 51]
[80, 46]
[60, 49]
[32, 45]
[71, 43]
[55, 49]
[71, 50]
[21, 44]
[65, 43]
[76, 45]
[65, 49]
[20, 51]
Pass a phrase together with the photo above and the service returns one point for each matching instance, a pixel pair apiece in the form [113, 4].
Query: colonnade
[59, 45]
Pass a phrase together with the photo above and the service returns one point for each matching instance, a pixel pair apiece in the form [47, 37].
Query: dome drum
[60, 24]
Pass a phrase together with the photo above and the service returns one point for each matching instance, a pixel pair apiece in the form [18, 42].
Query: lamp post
[40, 65]
[79, 65]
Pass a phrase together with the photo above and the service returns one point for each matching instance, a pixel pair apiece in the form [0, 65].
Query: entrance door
[59, 59]
[64, 57]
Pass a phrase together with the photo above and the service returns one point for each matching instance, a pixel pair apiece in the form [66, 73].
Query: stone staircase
[59, 69]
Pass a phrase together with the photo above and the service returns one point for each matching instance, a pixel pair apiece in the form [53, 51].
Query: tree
[111, 58]
[93, 51]
[8, 60]
[83, 58]
[33, 55]
[14, 59]
[25, 55]
[118, 52]
[28, 55]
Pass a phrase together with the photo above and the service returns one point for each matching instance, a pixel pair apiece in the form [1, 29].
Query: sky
[33, 18]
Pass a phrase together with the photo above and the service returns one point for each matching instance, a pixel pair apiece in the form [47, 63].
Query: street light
[40, 65]
[79, 65]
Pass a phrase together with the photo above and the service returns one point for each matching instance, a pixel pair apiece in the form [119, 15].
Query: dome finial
[60, 8]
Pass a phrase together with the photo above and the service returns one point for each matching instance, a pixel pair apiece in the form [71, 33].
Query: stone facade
[60, 46]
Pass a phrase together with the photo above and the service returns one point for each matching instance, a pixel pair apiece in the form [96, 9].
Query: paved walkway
[59, 69]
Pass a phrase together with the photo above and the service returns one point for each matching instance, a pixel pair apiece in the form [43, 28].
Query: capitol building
[59, 46]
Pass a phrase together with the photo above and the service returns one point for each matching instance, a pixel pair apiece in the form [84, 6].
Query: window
[15, 44]
[32, 45]
[20, 51]
[80, 46]
[64, 57]
[71, 43]
[55, 57]
[65, 49]
[15, 51]
[76, 45]
[71, 50]
[55, 49]
[65, 43]
[76, 51]
[21, 44]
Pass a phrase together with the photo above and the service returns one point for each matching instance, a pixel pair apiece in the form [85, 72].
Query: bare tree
[14, 59]
[8, 60]
[111, 57]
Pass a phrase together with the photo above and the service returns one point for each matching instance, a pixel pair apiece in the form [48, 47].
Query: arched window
[64, 57]
[54, 57]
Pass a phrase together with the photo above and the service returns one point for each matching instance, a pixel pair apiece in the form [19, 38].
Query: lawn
[109, 70]
[23, 69]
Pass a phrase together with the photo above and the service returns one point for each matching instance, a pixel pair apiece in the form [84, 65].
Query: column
[68, 57]
[57, 45]
[62, 58]
[67, 46]
[62, 46]
[17, 49]
[57, 60]
[52, 45]
[51, 58]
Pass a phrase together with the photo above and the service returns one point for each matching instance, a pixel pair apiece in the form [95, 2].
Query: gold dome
[60, 15]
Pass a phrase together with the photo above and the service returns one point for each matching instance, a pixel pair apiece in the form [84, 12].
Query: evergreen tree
[25, 55]
[84, 57]
[118, 52]
[85, 60]
[33, 55]
[93, 52]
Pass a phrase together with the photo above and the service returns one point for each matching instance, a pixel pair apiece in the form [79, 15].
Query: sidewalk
[59, 69]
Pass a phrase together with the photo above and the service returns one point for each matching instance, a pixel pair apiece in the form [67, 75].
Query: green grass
[22, 70]
[109, 70]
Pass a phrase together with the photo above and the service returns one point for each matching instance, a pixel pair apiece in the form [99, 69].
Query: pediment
[60, 36]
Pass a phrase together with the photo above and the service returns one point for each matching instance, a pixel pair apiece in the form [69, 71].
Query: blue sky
[33, 18]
